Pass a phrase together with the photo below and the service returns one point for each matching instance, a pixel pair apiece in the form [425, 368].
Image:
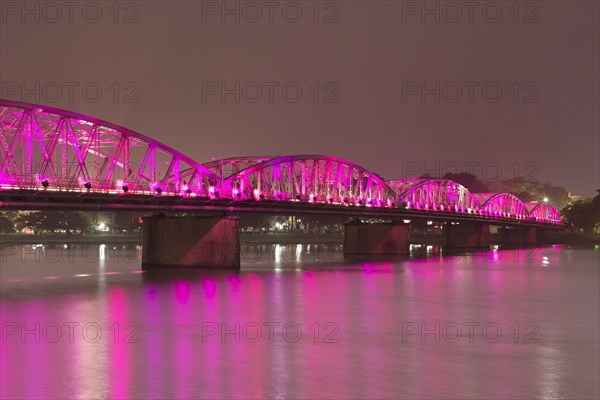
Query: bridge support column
[466, 235]
[377, 238]
[190, 242]
[518, 236]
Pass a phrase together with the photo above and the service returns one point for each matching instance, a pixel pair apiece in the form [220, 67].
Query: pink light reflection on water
[209, 353]
[210, 288]
[238, 379]
[375, 287]
[120, 363]
[370, 361]
[154, 362]
[254, 290]
[182, 358]
[182, 292]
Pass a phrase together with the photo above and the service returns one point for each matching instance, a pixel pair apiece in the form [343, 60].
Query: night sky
[367, 71]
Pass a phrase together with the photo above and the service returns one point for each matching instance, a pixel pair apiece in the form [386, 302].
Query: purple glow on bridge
[48, 149]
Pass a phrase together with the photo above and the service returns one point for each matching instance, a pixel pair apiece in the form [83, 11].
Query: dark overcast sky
[370, 57]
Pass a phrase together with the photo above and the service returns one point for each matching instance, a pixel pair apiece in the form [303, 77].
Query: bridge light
[45, 183]
[213, 192]
[545, 199]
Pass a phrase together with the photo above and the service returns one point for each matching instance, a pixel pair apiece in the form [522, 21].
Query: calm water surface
[299, 321]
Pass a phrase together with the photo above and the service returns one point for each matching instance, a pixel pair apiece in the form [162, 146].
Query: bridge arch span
[434, 194]
[66, 151]
[502, 205]
[543, 212]
[312, 178]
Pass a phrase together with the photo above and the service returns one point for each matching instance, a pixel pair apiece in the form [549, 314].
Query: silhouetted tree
[6, 223]
[52, 221]
[528, 191]
[126, 221]
[583, 215]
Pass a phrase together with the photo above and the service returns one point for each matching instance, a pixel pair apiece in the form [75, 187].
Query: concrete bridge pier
[466, 235]
[376, 238]
[517, 236]
[191, 242]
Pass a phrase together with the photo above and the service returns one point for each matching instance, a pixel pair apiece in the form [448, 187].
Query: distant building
[574, 197]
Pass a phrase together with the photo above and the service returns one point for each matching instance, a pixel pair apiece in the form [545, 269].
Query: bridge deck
[56, 200]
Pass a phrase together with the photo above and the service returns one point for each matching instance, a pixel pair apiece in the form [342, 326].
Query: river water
[300, 321]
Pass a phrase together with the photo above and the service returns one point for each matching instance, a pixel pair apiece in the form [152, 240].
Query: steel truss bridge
[56, 159]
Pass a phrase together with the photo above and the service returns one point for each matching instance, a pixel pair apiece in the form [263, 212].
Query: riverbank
[73, 238]
[279, 237]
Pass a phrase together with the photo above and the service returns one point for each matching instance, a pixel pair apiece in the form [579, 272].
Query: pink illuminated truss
[311, 178]
[543, 212]
[434, 194]
[44, 148]
[229, 166]
[72, 152]
[502, 205]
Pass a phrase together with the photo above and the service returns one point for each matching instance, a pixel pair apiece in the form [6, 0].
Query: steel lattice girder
[437, 193]
[313, 178]
[64, 151]
[543, 211]
[71, 151]
[504, 204]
